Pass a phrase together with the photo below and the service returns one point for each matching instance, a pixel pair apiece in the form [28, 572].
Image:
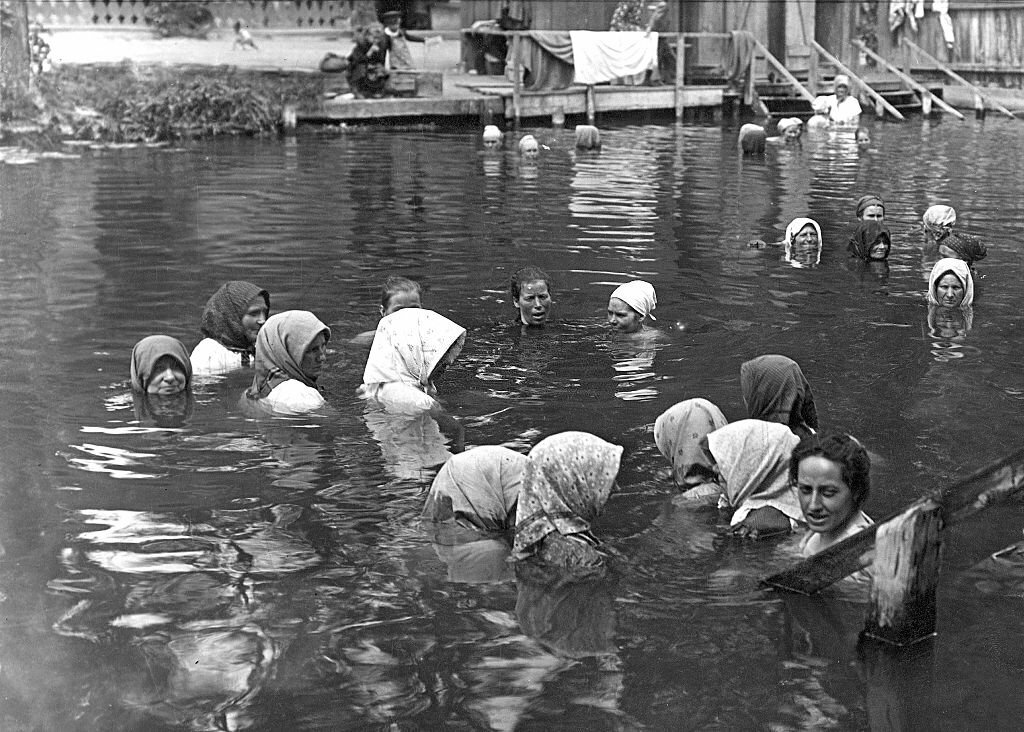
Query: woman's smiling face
[825, 498]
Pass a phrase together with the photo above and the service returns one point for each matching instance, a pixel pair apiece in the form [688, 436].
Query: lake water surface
[241, 573]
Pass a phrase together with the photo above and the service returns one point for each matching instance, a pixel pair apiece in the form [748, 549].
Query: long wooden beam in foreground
[985, 488]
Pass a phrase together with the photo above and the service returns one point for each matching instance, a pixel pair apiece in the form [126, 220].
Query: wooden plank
[986, 487]
[906, 574]
[926, 96]
[956, 77]
[680, 76]
[517, 81]
[364, 109]
[784, 71]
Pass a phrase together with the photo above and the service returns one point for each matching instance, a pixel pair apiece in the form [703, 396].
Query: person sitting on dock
[842, 108]
[399, 54]
[832, 475]
[366, 72]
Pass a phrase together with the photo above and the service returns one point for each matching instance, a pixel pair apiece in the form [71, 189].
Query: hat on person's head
[492, 133]
[390, 15]
[842, 80]
[786, 122]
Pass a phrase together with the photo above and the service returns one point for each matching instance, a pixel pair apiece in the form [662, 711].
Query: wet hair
[843, 449]
[527, 274]
[395, 284]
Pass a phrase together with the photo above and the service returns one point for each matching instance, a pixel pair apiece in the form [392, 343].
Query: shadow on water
[170, 566]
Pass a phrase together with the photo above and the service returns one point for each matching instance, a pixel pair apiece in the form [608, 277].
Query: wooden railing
[927, 98]
[880, 101]
[979, 96]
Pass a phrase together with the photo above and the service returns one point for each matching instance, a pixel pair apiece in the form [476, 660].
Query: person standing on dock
[398, 39]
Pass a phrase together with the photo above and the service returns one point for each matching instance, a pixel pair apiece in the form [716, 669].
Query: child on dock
[243, 38]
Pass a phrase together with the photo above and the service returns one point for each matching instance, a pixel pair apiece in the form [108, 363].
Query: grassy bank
[128, 103]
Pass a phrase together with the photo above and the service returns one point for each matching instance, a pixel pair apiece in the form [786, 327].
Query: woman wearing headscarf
[938, 221]
[473, 496]
[961, 246]
[790, 129]
[478, 489]
[950, 284]
[290, 352]
[231, 321]
[802, 245]
[680, 434]
[776, 390]
[160, 377]
[870, 208]
[752, 458]
[870, 241]
[411, 350]
[566, 484]
[630, 305]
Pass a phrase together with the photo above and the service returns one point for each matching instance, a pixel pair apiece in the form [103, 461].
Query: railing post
[517, 81]
[591, 106]
[812, 71]
[680, 75]
[905, 576]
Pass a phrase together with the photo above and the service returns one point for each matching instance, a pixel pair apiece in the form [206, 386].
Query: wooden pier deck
[489, 98]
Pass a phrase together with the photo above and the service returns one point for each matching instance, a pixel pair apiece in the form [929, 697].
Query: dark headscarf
[222, 317]
[868, 200]
[865, 236]
[967, 247]
[775, 390]
[150, 350]
[280, 346]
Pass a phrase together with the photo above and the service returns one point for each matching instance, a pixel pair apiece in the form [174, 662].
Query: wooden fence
[279, 15]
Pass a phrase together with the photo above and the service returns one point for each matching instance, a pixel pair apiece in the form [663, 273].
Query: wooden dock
[485, 99]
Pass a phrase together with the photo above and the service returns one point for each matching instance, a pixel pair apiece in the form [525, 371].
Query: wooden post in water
[680, 74]
[905, 575]
[517, 82]
[558, 117]
[289, 119]
[926, 104]
[591, 106]
[979, 107]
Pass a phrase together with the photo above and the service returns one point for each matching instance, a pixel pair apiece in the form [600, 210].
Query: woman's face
[168, 377]
[842, 92]
[805, 245]
[314, 357]
[793, 132]
[863, 137]
[254, 318]
[825, 499]
[873, 213]
[400, 300]
[880, 249]
[622, 317]
[949, 290]
[534, 302]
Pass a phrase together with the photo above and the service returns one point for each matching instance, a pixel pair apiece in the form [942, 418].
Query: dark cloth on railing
[546, 59]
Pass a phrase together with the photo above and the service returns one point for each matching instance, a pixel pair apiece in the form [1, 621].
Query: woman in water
[776, 390]
[566, 483]
[531, 295]
[870, 241]
[630, 305]
[161, 373]
[950, 284]
[831, 473]
[681, 436]
[802, 245]
[870, 208]
[290, 353]
[231, 321]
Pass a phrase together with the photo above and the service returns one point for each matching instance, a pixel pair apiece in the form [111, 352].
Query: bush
[177, 18]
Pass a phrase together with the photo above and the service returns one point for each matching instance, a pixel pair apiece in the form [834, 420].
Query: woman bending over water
[630, 305]
[776, 390]
[566, 483]
[290, 353]
[231, 321]
[831, 473]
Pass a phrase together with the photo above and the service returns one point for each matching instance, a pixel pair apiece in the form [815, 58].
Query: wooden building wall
[595, 15]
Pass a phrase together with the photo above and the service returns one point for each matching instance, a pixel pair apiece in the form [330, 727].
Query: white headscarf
[408, 346]
[491, 132]
[786, 122]
[938, 216]
[639, 295]
[961, 270]
[794, 228]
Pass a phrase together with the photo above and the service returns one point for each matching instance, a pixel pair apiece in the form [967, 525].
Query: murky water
[270, 574]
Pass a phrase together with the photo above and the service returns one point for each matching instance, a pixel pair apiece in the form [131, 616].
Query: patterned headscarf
[776, 390]
[794, 228]
[960, 270]
[280, 346]
[639, 295]
[678, 433]
[865, 236]
[408, 346]
[967, 247]
[222, 317]
[150, 350]
[479, 487]
[566, 483]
